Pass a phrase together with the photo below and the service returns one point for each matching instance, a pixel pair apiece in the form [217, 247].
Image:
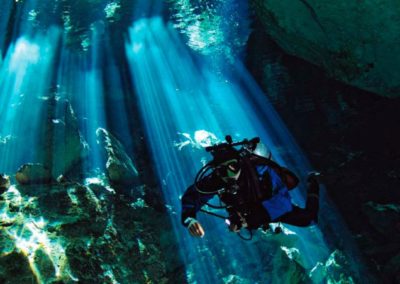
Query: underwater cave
[122, 119]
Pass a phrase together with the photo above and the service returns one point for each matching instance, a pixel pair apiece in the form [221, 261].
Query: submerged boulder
[65, 144]
[50, 135]
[70, 233]
[392, 270]
[337, 268]
[119, 166]
[33, 174]
[293, 272]
[234, 279]
[15, 268]
[384, 218]
[355, 42]
[4, 182]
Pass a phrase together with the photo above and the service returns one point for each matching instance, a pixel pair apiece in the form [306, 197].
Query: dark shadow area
[348, 134]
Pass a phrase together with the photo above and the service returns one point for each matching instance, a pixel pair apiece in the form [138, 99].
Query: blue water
[178, 93]
[188, 79]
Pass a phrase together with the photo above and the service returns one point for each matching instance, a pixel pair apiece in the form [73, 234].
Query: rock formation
[4, 182]
[71, 232]
[119, 166]
[355, 42]
[33, 174]
[62, 145]
[53, 139]
[346, 133]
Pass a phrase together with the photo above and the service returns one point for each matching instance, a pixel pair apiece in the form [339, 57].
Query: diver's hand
[194, 227]
[236, 222]
[234, 228]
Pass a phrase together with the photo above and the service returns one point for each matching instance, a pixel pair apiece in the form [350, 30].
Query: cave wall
[356, 42]
[348, 134]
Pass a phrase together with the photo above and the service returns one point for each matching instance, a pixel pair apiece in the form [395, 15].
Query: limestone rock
[33, 174]
[83, 234]
[44, 265]
[318, 273]
[14, 268]
[392, 270]
[88, 268]
[54, 140]
[355, 42]
[61, 145]
[62, 179]
[294, 273]
[384, 218]
[234, 279]
[336, 268]
[7, 244]
[120, 168]
[4, 182]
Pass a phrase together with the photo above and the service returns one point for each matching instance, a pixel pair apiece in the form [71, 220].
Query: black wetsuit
[273, 206]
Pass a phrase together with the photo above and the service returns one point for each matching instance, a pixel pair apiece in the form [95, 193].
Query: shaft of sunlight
[81, 81]
[179, 96]
[25, 78]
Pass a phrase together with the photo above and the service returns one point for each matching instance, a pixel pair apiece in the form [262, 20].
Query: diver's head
[227, 164]
[229, 170]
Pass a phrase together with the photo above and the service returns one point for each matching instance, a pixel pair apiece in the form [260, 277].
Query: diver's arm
[190, 204]
[193, 200]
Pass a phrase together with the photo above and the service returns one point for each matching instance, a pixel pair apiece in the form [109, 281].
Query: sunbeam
[25, 77]
[178, 93]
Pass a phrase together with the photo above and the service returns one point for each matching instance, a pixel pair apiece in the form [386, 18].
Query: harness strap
[254, 184]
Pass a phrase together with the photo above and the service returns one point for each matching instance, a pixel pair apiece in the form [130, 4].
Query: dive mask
[229, 169]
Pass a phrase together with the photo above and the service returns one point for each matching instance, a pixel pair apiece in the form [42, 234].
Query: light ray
[179, 93]
[25, 79]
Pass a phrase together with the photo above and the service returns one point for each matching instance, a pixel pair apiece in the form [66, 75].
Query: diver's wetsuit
[275, 206]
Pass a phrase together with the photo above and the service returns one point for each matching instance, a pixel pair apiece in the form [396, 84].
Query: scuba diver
[254, 190]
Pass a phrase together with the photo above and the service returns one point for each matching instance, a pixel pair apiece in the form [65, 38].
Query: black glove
[258, 216]
[235, 222]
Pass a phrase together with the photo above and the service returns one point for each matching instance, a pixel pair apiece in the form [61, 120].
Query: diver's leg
[312, 202]
[298, 217]
[305, 217]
